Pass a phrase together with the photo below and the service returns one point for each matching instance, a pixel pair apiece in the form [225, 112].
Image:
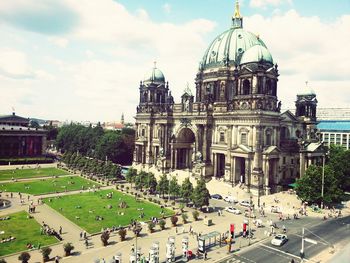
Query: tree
[68, 247]
[163, 185]
[122, 234]
[308, 187]
[130, 176]
[45, 251]
[201, 194]
[152, 183]
[339, 161]
[141, 180]
[24, 257]
[186, 190]
[104, 238]
[174, 187]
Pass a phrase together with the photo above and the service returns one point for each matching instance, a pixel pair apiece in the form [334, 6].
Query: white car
[244, 203]
[232, 210]
[229, 199]
[279, 240]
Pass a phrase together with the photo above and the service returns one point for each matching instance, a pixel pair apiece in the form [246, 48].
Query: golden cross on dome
[237, 14]
[306, 83]
[155, 64]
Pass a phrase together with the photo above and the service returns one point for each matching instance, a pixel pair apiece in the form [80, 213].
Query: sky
[83, 60]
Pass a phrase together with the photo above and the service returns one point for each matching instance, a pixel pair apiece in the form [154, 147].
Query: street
[327, 233]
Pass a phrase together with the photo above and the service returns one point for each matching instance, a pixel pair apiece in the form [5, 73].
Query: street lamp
[322, 186]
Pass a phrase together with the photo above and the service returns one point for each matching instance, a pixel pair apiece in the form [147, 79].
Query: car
[207, 209]
[216, 196]
[230, 199]
[233, 210]
[244, 203]
[279, 240]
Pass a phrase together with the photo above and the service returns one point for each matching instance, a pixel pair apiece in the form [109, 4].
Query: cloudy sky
[83, 59]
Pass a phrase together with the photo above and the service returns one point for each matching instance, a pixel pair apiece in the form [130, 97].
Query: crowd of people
[47, 230]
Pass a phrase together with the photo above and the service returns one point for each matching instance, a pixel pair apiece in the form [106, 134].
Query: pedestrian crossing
[235, 260]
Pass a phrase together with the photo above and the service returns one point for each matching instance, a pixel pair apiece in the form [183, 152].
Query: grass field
[25, 231]
[30, 173]
[83, 208]
[45, 186]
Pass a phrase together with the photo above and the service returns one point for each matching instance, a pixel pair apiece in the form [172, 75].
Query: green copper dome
[230, 46]
[257, 53]
[155, 76]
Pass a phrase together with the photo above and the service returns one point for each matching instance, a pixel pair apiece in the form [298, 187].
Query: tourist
[57, 259]
[81, 235]
[60, 231]
[86, 243]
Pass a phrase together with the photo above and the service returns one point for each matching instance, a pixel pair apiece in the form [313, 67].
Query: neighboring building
[18, 140]
[232, 128]
[115, 126]
[334, 126]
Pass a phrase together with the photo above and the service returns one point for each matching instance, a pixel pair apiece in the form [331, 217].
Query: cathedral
[232, 128]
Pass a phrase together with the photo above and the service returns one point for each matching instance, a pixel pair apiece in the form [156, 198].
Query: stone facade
[232, 128]
[18, 140]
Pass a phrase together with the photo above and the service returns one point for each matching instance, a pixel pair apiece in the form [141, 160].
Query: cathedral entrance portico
[182, 149]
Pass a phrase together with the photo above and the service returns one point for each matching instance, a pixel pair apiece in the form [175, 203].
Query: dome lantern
[155, 76]
[237, 19]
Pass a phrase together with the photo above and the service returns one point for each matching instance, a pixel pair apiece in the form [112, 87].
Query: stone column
[215, 164]
[233, 170]
[175, 164]
[302, 165]
[234, 135]
[205, 143]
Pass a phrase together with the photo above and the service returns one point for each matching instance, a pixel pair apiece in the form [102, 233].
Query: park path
[19, 166]
[35, 178]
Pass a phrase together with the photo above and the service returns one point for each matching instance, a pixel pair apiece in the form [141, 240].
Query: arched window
[244, 140]
[268, 140]
[260, 85]
[268, 87]
[246, 87]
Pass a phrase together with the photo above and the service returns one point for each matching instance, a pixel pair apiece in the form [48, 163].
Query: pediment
[288, 117]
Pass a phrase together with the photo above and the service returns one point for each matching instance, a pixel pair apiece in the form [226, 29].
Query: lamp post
[322, 186]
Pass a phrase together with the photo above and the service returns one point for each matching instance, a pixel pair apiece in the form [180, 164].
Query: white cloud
[14, 64]
[111, 49]
[264, 3]
[307, 48]
[167, 8]
[59, 41]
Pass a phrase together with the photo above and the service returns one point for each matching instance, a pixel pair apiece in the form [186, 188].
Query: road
[327, 233]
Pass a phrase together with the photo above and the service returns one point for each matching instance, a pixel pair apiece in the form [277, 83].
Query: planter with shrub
[24, 257]
[68, 247]
[45, 251]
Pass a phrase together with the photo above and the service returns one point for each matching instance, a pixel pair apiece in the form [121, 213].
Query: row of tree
[336, 178]
[199, 195]
[94, 142]
[91, 166]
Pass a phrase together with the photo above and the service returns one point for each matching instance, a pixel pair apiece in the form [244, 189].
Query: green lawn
[25, 231]
[83, 208]
[45, 186]
[30, 173]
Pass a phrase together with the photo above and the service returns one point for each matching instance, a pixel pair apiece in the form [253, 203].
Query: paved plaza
[221, 223]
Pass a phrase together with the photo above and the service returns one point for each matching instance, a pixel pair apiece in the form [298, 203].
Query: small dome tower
[154, 92]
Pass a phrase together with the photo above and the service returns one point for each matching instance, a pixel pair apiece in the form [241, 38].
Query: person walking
[205, 255]
[86, 243]
[60, 230]
[57, 259]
